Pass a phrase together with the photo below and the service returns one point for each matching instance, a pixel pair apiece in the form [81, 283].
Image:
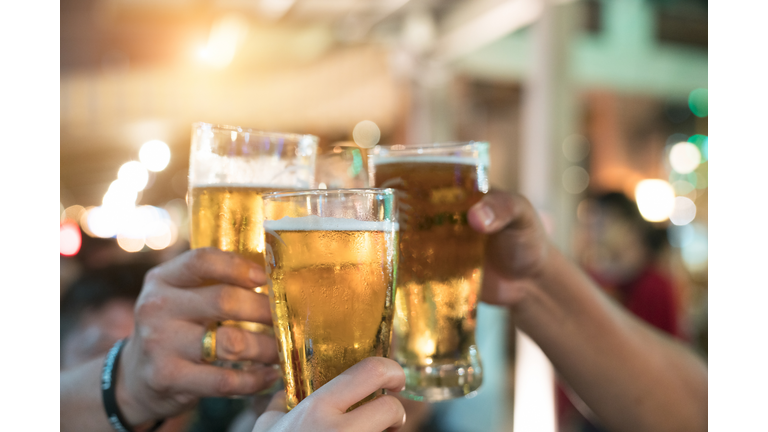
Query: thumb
[498, 210]
[274, 412]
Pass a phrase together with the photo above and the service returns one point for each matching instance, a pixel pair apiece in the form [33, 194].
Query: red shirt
[651, 297]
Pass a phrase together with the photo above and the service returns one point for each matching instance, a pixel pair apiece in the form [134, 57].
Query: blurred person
[631, 375]
[98, 311]
[619, 250]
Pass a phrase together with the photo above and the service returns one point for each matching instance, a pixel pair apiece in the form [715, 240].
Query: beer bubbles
[155, 155]
[366, 134]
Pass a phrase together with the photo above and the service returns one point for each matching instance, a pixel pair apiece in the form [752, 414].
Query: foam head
[317, 223]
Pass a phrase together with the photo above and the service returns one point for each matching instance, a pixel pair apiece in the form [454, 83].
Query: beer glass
[440, 270]
[230, 169]
[331, 259]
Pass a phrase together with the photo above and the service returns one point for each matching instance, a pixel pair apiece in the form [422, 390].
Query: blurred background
[595, 110]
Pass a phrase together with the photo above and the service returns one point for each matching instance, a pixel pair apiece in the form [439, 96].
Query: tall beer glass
[230, 168]
[331, 258]
[441, 258]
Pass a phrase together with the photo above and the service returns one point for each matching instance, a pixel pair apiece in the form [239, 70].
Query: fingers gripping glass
[331, 259]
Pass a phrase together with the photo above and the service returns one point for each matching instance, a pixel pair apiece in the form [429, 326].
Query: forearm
[80, 399]
[632, 377]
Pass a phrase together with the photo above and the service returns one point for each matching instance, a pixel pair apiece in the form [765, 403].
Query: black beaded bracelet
[108, 384]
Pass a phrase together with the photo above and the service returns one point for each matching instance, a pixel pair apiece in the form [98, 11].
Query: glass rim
[249, 130]
[438, 148]
[429, 146]
[320, 192]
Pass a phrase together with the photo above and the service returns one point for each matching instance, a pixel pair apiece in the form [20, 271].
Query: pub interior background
[577, 98]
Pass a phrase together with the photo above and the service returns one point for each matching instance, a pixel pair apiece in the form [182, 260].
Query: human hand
[517, 249]
[161, 369]
[326, 408]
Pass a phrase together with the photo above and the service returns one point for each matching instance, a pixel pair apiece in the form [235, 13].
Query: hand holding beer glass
[230, 169]
[331, 260]
[441, 260]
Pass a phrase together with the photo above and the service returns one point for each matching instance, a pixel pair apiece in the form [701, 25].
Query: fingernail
[485, 213]
[257, 275]
[403, 389]
[403, 418]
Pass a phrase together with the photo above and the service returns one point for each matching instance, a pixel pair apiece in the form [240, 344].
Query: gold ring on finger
[209, 342]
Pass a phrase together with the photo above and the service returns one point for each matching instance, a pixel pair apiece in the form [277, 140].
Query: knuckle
[197, 259]
[153, 275]
[226, 383]
[376, 367]
[151, 341]
[226, 302]
[160, 377]
[150, 305]
[234, 342]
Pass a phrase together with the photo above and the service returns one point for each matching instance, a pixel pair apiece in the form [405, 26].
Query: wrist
[539, 303]
[134, 413]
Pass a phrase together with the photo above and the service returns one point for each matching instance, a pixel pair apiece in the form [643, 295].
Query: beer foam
[268, 171]
[428, 159]
[317, 223]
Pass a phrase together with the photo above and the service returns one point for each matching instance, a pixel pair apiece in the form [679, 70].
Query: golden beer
[332, 293]
[439, 274]
[229, 217]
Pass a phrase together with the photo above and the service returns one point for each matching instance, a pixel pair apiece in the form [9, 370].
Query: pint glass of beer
[331, 259]
[440, 268]
[230, 168]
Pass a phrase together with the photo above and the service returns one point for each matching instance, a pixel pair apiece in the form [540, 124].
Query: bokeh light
[133, 175]
[683, 187]
[695, 252]
[697, 102]
[366, 134]
[227, 34]
[104, 221]
[129, 244]
[575, 148]
[135, 227]
[575, 179]
[120, 195]
[655, 199]
[684, 211]
[680, 235]
[70, 238]
[73, 213]
[702, 176]
[702, 143]
[161, 236]
[84, 221]
[691, 178]
[684, 157]
[155, 155]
